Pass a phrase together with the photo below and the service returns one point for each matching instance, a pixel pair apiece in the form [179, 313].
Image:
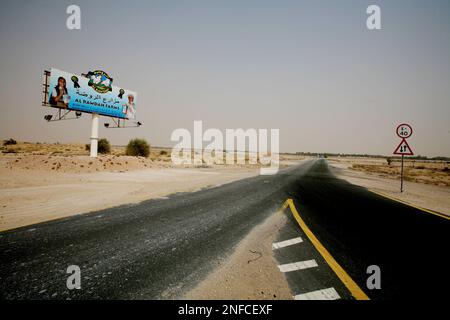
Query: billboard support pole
[94, 135]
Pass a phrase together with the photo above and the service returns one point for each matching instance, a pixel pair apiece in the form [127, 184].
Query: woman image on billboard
[59, 96]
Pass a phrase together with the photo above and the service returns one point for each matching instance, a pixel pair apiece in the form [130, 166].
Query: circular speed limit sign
[404, 131]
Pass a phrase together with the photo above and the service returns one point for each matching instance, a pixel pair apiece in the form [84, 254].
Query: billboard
[92, 92]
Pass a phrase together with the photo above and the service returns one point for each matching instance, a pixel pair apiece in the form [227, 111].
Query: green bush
[9, 142]
[104, 146]
[138, 147]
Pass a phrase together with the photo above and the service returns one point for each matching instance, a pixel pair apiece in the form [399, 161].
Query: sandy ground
[251, 272]
[43, 181]
[32, 196]
[432, 197]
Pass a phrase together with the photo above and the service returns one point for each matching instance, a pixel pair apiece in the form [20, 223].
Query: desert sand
[32, 196]
[251, 272]
[41, 182]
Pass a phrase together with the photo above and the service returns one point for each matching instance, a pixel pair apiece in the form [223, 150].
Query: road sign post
[401, 176]
[404, 131]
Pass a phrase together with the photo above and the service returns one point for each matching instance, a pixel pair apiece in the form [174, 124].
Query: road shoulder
[431, 197]
[251, 271]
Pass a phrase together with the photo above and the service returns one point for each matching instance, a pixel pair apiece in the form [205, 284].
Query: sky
[311, 69]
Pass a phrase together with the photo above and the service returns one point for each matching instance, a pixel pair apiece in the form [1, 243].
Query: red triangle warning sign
[404, 149]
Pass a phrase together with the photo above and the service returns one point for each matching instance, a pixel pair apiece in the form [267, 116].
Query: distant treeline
[325, 155]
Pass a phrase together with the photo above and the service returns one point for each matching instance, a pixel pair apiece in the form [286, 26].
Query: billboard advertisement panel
[92, 92]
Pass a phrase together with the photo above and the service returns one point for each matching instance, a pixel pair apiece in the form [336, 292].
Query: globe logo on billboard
[100, 81]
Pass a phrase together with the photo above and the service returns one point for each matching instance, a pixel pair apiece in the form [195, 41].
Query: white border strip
[297, 265]
[286, 243]
[325, 294]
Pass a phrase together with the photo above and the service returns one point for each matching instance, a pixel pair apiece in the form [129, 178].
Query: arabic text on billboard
[93, 93]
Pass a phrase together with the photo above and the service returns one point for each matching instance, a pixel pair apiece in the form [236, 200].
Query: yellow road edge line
[351, 285]
[442, 215]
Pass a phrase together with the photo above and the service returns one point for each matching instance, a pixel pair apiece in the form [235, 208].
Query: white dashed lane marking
[297, 265]
[286, 243]
[325, 294]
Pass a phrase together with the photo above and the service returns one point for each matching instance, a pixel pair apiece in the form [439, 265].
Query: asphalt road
[156, 249]
[359, 229]
[159, 249]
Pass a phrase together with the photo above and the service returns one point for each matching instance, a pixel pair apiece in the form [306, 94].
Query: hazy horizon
[309, 68]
